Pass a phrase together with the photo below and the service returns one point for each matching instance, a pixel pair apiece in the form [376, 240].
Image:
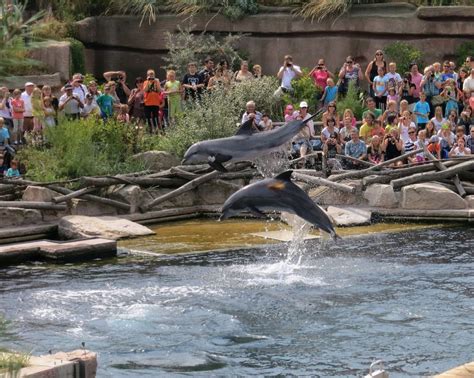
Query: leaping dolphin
[244, 145]
[277, 194]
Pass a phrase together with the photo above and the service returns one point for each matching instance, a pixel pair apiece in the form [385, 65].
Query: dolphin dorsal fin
[246, 128]
[285, 176]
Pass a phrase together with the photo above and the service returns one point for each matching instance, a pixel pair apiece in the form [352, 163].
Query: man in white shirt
[468, 86]
[70, 103]
[78, 88]
[28, 114]
[287, 73]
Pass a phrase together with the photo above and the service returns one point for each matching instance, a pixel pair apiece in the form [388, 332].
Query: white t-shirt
[468, 85]
[288, 75]
[28, 107]
[393, 80]
[404, 131]
[80, 91]
[327, 133]
[72, 107]
[6, 112]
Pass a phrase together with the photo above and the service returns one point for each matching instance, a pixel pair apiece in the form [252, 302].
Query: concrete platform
[463, 371]
[57, 251]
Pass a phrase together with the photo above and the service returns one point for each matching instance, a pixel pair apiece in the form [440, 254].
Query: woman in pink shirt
[416, 78]
[320, 74]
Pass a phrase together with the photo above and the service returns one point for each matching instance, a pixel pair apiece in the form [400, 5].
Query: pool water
[315, 309]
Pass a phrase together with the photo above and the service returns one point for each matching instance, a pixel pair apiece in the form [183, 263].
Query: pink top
[416, 79]
[320, 78]
[17, 104]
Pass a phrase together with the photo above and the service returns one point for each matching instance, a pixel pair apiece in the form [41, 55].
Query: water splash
[274, 163]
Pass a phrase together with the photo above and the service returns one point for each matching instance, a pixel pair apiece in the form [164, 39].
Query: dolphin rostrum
[277, 194]
[244, 145]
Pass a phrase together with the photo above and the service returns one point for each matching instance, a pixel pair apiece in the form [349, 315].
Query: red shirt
[152, 95]
[320, 78]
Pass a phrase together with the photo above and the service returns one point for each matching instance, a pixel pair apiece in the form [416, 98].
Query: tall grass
[11, 362]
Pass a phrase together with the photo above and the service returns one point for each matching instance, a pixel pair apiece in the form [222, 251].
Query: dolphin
[244, 145]
[277, 194]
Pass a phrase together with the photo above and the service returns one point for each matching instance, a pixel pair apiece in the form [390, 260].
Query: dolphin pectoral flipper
[217, 160]
[258, 213]
[246, 128]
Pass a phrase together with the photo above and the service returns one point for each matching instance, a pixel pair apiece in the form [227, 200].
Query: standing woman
[350, 71]
[243, 74]
[135, 102]
[372, 69]
[320, 74]
[153, 99]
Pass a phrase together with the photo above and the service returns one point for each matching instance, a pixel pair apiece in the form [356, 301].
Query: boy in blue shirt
[422, 112]
[330, 93]
[13, 170]
[106, 103]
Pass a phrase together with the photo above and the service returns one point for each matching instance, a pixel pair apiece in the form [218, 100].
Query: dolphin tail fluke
[217, 166]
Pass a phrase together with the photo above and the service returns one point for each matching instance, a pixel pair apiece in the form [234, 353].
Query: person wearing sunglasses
[350, 71]
[372, 69]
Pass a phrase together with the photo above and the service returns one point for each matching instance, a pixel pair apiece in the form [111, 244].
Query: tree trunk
[323, 182]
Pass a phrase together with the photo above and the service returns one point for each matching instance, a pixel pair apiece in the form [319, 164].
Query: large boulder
[328, 196]
[349, 216]
[157, 160]
[13, 216]
[78, 226]
[216, 192]
[470, 201]
[39, 194]
[130, 194]
[381, 195]
[89, 208]
[430, 196]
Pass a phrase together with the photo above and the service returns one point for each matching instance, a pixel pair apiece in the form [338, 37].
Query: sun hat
[303, 104]
[29, 83]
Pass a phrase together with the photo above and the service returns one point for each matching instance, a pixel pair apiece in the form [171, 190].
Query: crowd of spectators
[403, 111]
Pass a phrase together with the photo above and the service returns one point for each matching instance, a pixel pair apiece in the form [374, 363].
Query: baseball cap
[67, 86]
[303, 104]
[289, 107]
[29, 83]
[434, 139]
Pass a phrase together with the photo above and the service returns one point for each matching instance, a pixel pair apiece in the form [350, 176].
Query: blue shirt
[4, 134]
[424, 108]
[106, 104]
[13, 172]
[355, 149]
[331, 93]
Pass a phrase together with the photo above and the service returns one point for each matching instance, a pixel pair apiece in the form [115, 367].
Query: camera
[289, 64]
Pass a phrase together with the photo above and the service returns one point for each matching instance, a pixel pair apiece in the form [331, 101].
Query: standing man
[70, 103]
[121, 88]
[28, 114]
[207, 72]
[286, 74]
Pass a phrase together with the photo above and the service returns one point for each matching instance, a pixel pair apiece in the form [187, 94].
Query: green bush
[464, 50]
[403, 54]
[217, 114]
[83, 148]
[184, 47]
[304, 90]
[78, 60]
[353, 100]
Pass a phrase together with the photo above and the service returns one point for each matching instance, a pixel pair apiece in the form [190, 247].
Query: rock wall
[119, 43]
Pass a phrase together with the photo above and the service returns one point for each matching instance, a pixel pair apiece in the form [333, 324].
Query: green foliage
[304, 90]
[403, 54]
[217, 114]
[14, 32]
[464, 50]
[78, 60]
[83, 148]
[353, 100]
[71, 10]
[185, 47]
[11, 362]
[50, 28]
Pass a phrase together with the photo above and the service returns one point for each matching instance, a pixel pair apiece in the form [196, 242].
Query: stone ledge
[53, 80]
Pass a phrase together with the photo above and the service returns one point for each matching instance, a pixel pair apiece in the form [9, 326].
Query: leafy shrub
[83, 148]
[50, 28]
[185, 47]
[464, 50]
[304, 90]
[78, 60]
[217, 114]
[404, 54]
[353, 100]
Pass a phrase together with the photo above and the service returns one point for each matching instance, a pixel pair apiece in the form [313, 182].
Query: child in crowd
[49, 112]
[392, 96]
[379, 87]
[173, 95]
[349, 113]
[90, 107]
[434, 147]
[123, 116]
[330, 93]
[459, 149]
[374, 150]
[290, 113]
[13, 170]
[266, 123]
[378, 129]
[18, 106]
[430, 129]
[391, 124]
[422, 112]
[391, 111]
[421, 143]
[450, 93]
[106, 103]
[38, 111]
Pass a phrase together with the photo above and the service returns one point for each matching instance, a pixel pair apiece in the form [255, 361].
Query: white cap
[303, 104]
[29, 83]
